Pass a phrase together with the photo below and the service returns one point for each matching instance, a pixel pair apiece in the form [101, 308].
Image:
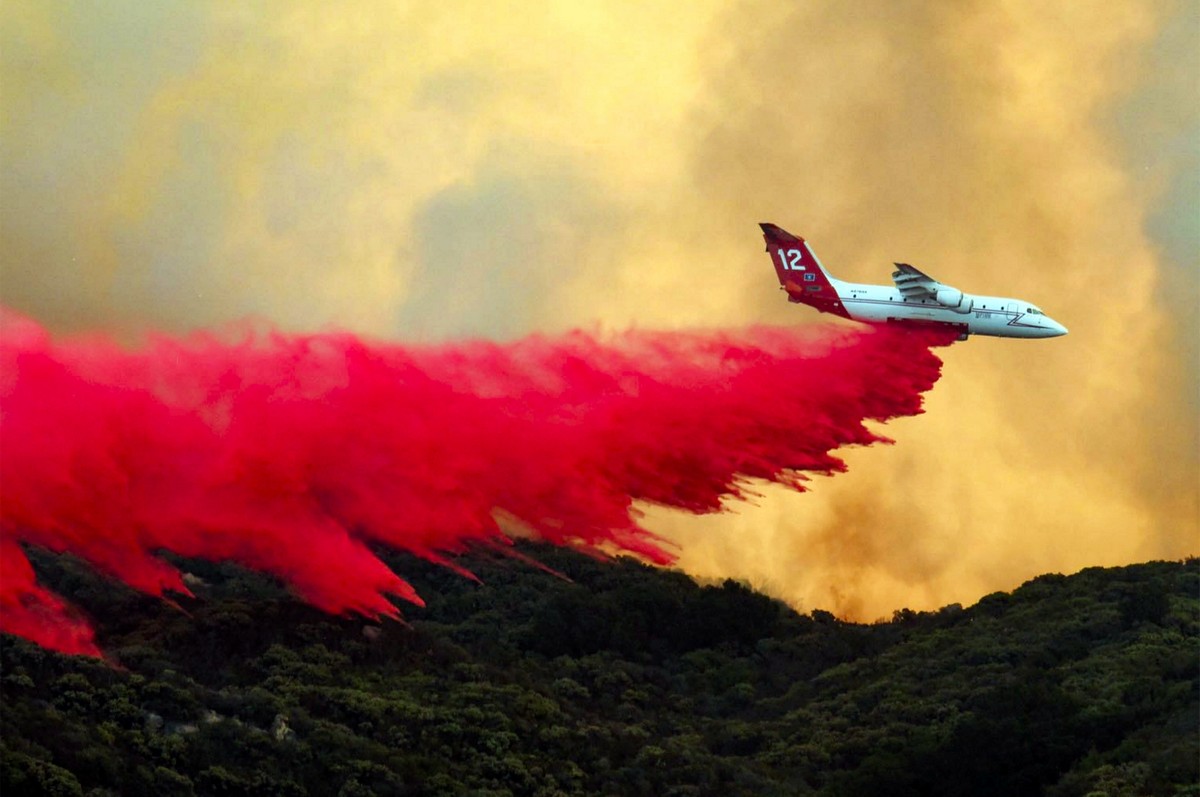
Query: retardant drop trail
[290, 454]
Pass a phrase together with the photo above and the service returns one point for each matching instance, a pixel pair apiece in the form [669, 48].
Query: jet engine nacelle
[955, 299]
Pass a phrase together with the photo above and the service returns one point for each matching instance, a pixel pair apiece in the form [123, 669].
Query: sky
[421, 172]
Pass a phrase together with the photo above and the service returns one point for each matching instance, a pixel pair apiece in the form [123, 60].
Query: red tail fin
[800, 273]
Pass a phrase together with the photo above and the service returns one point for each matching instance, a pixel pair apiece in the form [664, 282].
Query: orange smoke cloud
[433, 172]
[966, 140]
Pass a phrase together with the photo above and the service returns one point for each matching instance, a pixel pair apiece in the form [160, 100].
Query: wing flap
[914, 283]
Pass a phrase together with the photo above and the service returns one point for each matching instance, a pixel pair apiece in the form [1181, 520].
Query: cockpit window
[1034, 311]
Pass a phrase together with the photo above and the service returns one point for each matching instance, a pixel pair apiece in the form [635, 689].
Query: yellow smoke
[416, 171]
[967, 139]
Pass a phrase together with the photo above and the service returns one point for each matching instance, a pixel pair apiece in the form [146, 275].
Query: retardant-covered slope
[294, 455]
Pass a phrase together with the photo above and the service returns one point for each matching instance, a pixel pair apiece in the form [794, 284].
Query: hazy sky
[420, 171]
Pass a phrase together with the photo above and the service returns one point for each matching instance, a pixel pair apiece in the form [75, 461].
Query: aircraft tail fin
[800, 272]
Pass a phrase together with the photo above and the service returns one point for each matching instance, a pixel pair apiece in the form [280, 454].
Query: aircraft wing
[914, 283]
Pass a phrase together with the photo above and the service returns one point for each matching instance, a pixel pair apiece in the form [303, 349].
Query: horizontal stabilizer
[777, 234]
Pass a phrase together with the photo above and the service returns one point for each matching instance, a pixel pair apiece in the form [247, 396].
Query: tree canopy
[615, 679]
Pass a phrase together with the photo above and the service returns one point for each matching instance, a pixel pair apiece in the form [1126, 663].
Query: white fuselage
[989, 315]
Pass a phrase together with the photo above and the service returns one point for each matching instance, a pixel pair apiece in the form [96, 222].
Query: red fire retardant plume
[292, 454]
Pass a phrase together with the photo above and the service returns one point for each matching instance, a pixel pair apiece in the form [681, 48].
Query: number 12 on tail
[790, 259]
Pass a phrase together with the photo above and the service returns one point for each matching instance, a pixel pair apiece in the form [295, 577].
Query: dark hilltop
[622, 680]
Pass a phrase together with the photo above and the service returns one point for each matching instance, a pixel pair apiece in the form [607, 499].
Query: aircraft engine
[955, 299]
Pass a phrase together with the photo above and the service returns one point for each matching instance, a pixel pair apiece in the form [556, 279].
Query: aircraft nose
[1059, 329]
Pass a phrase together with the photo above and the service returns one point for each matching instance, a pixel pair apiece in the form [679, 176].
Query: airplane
[916, 300]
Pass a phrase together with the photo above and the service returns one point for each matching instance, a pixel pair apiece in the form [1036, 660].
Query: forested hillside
[622, 680]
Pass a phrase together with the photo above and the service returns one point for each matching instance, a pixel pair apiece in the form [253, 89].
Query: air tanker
[916, 298]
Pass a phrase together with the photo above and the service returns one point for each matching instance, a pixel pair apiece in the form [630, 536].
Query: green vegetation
[625, 680]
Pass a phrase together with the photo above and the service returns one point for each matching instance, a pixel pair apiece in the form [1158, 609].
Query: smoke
[428, 172]
[973, 140]
[292, 454]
